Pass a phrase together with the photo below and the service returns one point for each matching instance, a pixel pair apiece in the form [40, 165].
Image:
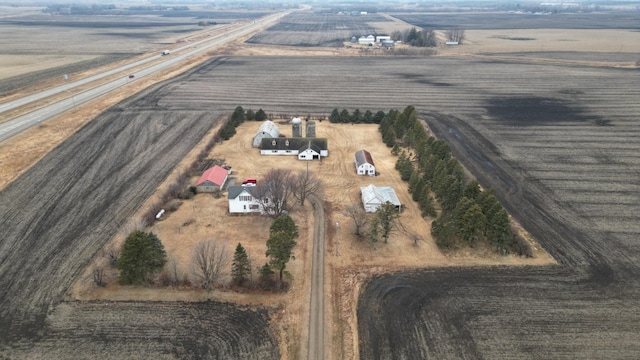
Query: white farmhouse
[364, 163]
[268, 129]
[242, 201]
[374, 196]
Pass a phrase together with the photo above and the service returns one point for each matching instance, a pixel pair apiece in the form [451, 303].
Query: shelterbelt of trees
[469, 215]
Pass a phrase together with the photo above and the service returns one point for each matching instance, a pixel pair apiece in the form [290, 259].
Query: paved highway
[18, 124]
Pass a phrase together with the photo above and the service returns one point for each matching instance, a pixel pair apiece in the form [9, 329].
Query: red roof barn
[212, 179]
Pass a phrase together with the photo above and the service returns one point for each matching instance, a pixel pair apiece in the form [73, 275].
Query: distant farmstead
[303, 148]
[213, 179]
[364, 163]
[374, 196]
[268, 129]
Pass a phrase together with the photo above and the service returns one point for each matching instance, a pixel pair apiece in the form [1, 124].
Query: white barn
[364, 163]
[268, 129]
[303, 148]
[241, 200]
[374, 196]
[367, 40]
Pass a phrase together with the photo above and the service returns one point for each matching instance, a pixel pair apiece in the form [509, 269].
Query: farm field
[318, 29]
[38, 47]
[548, 117]
[560, 151]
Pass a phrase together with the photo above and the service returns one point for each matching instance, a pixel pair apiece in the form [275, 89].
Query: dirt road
[316, 308]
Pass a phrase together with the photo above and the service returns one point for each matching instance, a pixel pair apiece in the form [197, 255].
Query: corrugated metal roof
[216, 175]
[379, 194]
[362, 157]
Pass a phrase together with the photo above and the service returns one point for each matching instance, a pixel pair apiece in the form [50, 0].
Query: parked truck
[165, 52]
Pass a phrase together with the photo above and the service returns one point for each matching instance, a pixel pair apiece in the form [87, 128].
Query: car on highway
[131, 76]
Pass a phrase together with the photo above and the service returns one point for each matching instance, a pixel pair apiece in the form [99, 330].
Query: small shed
[374, 196]
[268, 129]
[212, 179]
[364, 163]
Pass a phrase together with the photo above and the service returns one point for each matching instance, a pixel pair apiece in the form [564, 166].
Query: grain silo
[296, 124]
[311, 129]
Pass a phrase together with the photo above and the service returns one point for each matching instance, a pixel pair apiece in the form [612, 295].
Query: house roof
[362, 157]
[216, 175]
[379, 194]
[300, 144]
[234, 191]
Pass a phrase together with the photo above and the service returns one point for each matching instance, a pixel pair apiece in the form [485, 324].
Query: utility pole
[337, 228]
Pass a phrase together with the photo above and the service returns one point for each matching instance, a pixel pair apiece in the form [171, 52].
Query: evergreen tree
[241, 266]
[142, 254]
[335, 116]
[285, 224]
[356, 117]
[472, 190]
[473, 223]
[368, 117]
[250, 115]
[377, 118]
[261, 115]
[345, 117]
[279, 249]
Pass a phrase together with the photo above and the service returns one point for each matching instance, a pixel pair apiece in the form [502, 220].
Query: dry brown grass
[356, 261]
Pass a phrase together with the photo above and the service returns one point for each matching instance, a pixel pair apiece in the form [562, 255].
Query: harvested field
[113, 164]
[35, 48]
[503, 20]
[317, 29]
[567, 171]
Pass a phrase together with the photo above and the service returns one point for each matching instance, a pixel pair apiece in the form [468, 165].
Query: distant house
[451, 43]
[381, 38]
[212, 179]
[268, 129]
[374, 196]
[242, 200]
[303, 148]
[364, 163]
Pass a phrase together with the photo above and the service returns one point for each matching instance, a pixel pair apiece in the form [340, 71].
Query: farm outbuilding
[296, 127]
[367, 40]
[364, 163]
[303, 148]
[374, 196]
[213, 179]
[268, 129]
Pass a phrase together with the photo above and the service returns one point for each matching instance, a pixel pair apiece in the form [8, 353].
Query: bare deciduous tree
[210, 262]
[305, 184]
[98, 277]
[356, 213]
[111, 253]
[455, 35]
[274, 190]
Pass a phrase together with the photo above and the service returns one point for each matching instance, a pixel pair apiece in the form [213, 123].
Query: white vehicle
[165, 52]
